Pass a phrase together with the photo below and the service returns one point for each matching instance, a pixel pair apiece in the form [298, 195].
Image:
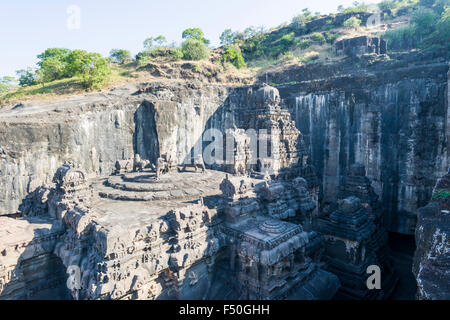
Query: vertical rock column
[431, 264]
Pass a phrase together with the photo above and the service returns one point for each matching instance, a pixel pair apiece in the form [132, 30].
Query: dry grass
[206, 71]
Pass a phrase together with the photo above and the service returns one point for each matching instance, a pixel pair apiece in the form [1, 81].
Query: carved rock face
[431, 264]
[69, 176]
[357, 169]
[267, 95]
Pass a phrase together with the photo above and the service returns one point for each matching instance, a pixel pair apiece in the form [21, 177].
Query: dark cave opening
[401, 249]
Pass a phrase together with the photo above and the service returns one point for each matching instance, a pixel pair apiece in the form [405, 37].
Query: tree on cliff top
[196, 34]
[92, 68]
[152, 43]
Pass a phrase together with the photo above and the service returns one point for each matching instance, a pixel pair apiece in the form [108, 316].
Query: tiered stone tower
[355, 183]
[348, 232]
[273, 125]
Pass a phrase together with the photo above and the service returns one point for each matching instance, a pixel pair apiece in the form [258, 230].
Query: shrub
[318, 37]
[287, 56]
[92, 68]
[286, 41]
[352, 22]
[304, 44]
[176, 53]
[233, 55]
[400, 37]
[386, 5]
[194, 49]
[357, 7]
[310, 56]
[331, 37]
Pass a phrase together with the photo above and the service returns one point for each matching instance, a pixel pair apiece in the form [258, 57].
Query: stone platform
[144, 186]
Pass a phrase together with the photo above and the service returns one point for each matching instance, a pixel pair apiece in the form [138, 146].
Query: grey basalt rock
[348, 232]
[431, 264]
[356, 184]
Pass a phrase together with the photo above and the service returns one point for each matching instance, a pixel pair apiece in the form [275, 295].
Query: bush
[233, 55]
[310, 56]
[146, 56]
[352, 22]
[318, 37]
[387, 5]
[400, 38]
[194, 49]
[304, 44]
[357, 7]
[287, 40]
[331, 37]
[92, 68]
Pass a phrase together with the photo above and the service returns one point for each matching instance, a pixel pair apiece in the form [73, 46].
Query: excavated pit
[392, 120]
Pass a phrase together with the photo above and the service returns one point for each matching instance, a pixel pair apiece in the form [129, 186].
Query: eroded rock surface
[431, 264]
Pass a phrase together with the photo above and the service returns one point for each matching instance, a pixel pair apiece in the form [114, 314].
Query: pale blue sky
[27, 27]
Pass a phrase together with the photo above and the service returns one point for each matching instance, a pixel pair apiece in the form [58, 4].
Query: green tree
[26, 77]
[120, 55]
[152, 43]
[352, 22]
[227, 37]
[53, 63]
[318, 37]
[59, 53]
[194, 49]
[149, 43]
[196, 34]
[233, 55]
[160, 41]
[92, 68]
[424, 21]
[287, 40]
[441, 36]
[250, 32]
[53, 68]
